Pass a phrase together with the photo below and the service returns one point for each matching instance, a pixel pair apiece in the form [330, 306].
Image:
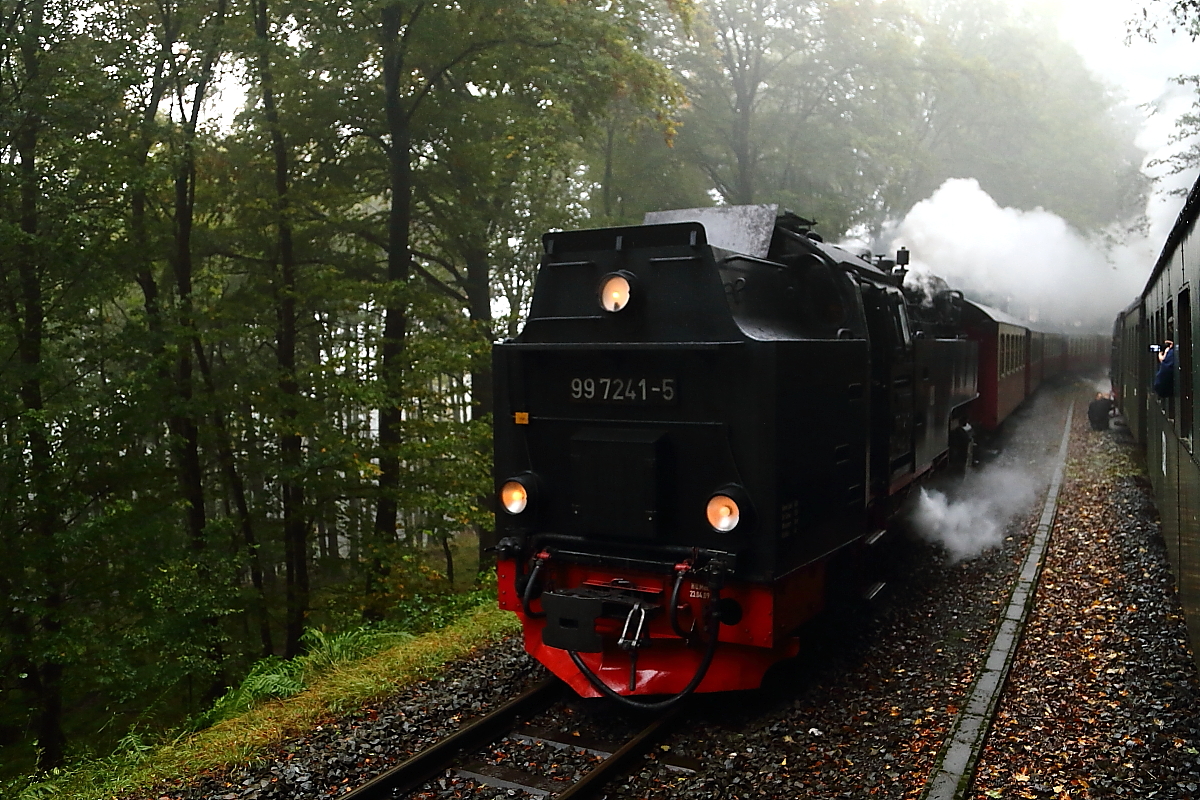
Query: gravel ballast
[1102, 700]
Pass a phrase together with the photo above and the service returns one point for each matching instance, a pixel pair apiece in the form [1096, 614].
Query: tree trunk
[182, 424]
[743, 151]
[610, 137]
[43, 522]
[295, 528]
[237, 488]
[138, 238]
[185, 434]
[395, 325]
[449, 560]
[479, 306]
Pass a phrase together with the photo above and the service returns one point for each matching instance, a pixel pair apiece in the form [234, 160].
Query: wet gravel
[1103, 701]
[1103, 698]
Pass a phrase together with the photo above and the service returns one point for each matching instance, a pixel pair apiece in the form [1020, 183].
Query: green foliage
[1187, 133]
[275, 678]
[270, 678]
[422, 613]
[1173, 15]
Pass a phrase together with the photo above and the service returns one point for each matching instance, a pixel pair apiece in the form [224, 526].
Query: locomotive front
[681, 453]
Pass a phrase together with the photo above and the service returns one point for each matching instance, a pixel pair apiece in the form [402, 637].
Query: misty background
[1031, 154]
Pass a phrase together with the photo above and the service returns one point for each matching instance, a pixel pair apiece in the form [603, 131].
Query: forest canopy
[245, 374]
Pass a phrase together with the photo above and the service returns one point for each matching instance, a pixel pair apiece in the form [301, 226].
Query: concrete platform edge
[955, 766]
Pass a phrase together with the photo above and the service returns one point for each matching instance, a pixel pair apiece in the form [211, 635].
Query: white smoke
[974, 517]
[1031, 264]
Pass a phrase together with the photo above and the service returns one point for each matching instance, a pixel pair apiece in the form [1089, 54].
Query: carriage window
[1184, 362]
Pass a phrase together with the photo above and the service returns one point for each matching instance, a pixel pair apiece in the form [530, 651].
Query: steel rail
[418, 769]
[620, 760]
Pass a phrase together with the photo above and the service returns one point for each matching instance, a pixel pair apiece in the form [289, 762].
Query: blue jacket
[1164, 379]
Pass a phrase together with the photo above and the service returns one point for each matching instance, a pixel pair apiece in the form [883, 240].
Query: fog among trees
[244, 362]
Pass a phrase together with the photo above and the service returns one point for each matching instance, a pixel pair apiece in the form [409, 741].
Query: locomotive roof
[749, 230]
[847, 260]
[741, 229]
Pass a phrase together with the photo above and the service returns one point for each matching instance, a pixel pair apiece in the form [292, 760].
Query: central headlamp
[616, 291]
[729, 509]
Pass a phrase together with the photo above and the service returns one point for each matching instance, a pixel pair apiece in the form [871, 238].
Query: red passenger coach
[1036, 373]
[1014, 360]
[1005, 378]
[1055, 354]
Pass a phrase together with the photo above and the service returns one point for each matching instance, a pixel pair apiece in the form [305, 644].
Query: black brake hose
[660, 705]
[527, 595]
[673, 614]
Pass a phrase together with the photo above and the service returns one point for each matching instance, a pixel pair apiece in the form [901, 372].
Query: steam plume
[1031, 264]
[973, 519]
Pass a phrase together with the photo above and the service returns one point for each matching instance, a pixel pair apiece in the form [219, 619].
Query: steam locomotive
[704, 429]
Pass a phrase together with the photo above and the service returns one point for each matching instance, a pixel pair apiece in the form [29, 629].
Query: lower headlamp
[729, 509]
[723, 513]
[517, 493]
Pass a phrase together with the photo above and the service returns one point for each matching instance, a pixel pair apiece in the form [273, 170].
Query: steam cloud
[975, 517]
[1031, 264]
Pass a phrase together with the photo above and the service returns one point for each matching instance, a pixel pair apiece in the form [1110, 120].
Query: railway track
[457, 754]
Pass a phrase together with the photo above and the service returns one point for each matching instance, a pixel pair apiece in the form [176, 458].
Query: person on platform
[1099, 410]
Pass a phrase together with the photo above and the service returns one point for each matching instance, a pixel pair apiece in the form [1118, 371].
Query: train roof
[1129, 309]
[1183, 225]
[996, 315]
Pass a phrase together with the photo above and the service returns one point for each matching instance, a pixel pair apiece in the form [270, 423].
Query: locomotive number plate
[625, 391]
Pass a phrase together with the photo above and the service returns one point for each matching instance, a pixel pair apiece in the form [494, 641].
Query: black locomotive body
[691, 440]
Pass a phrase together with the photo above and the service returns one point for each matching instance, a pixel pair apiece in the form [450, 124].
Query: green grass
[280, 700]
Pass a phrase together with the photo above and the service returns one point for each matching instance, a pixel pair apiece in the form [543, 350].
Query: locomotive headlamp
[616, 290]
[723, 513]
[514, 496]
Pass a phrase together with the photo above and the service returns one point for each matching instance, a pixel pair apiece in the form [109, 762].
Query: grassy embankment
[331, 687]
